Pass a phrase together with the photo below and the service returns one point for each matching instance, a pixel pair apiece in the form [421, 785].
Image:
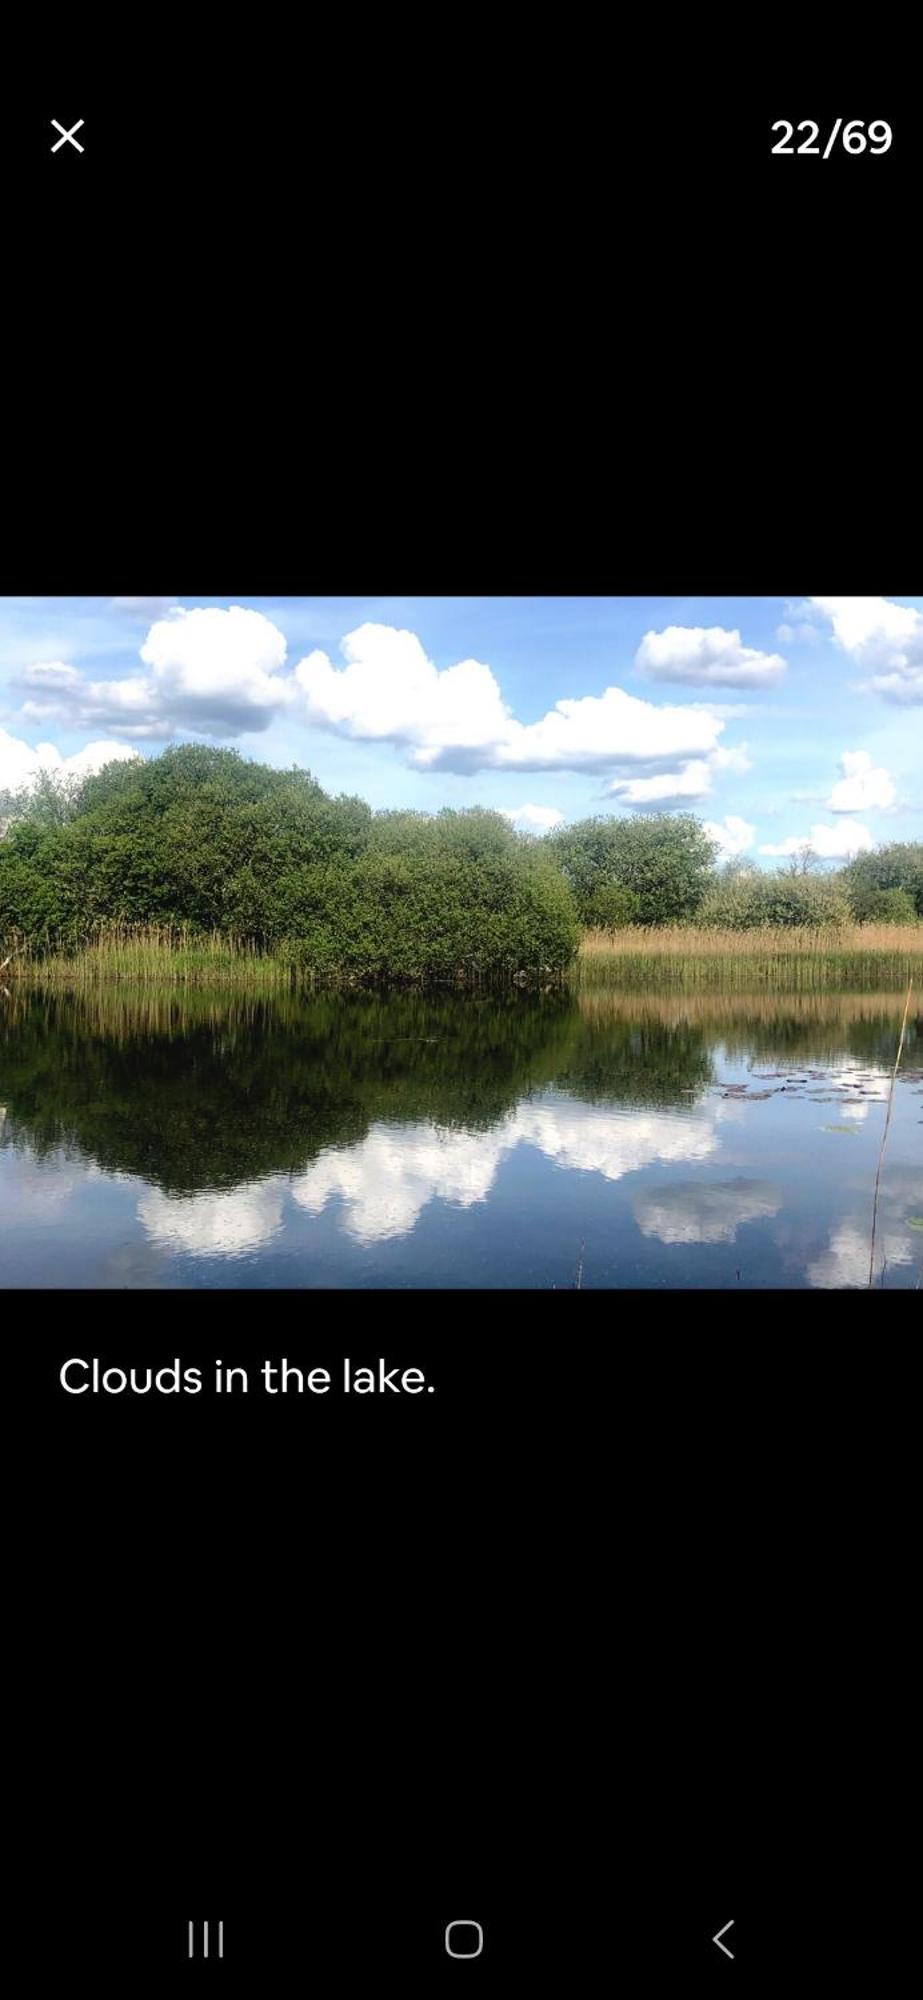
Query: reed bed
[156, 955]
[679, 958]
[686, 956]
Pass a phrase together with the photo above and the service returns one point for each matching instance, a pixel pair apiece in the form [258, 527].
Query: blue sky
[777, 721]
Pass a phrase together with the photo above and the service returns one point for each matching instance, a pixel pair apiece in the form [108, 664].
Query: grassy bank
[163, 955]
[866, 957]
[152, 955]
[861, 957]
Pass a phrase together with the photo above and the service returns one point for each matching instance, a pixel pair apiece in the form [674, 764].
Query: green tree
[51, 798]
[659, 862]
[898, 865]
[205, 839]
[805, 860]
[888, 906]
[780, 899]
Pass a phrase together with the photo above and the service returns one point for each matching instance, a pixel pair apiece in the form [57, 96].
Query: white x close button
[67, 138]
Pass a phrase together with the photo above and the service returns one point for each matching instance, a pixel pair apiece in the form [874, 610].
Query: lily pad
[915, 1221]
[850, 1130]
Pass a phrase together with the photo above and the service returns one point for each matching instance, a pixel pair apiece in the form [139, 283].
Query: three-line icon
[218, 1929]
[67, 137]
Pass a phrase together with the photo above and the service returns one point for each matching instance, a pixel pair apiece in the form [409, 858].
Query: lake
[185, 1138]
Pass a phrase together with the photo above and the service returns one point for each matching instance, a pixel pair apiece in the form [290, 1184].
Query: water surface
[169, 1139]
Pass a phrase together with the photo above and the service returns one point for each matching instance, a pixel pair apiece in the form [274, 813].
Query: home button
[464, 1939]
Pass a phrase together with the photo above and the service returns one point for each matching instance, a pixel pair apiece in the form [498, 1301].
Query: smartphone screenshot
[461, 1025]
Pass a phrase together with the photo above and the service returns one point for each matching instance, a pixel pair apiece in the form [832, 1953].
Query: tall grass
[680, 957]
[866, 956]
[172, 955]
[152, 954]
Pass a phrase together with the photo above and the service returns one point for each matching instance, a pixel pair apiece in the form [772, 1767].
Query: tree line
[206, 840]
[661, 868]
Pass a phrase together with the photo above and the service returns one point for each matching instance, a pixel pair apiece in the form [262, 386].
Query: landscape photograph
[464, 943]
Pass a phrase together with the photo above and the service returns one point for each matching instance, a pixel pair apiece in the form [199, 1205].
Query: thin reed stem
[884, 1136]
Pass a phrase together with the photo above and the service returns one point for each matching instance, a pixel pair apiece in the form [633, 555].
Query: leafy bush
[203, 838]
[660, 861]
[206, 840]
[611, 907]
[747, 902]
[888, 906]
[50, 800]
[899, 865]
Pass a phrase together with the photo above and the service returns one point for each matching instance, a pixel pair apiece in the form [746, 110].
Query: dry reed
[686, 955]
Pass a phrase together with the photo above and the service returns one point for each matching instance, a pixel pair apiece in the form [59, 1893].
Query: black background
[606, 1642]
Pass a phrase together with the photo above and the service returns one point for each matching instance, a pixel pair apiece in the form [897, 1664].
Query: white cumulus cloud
[831, 843]
[884, 638]
[708, 656]
[733, 835]
[863, 787]
[390, 691]
[455, 718]
[212, 664]
[533, 819]
[665, 788]
[217, 672]
[20, 764]
[692, 780]
[83, 763]
[223, 673]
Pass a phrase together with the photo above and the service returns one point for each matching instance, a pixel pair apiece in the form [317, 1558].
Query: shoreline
[672, 957]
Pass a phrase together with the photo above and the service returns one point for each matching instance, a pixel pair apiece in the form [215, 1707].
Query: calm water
[202, 1140]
